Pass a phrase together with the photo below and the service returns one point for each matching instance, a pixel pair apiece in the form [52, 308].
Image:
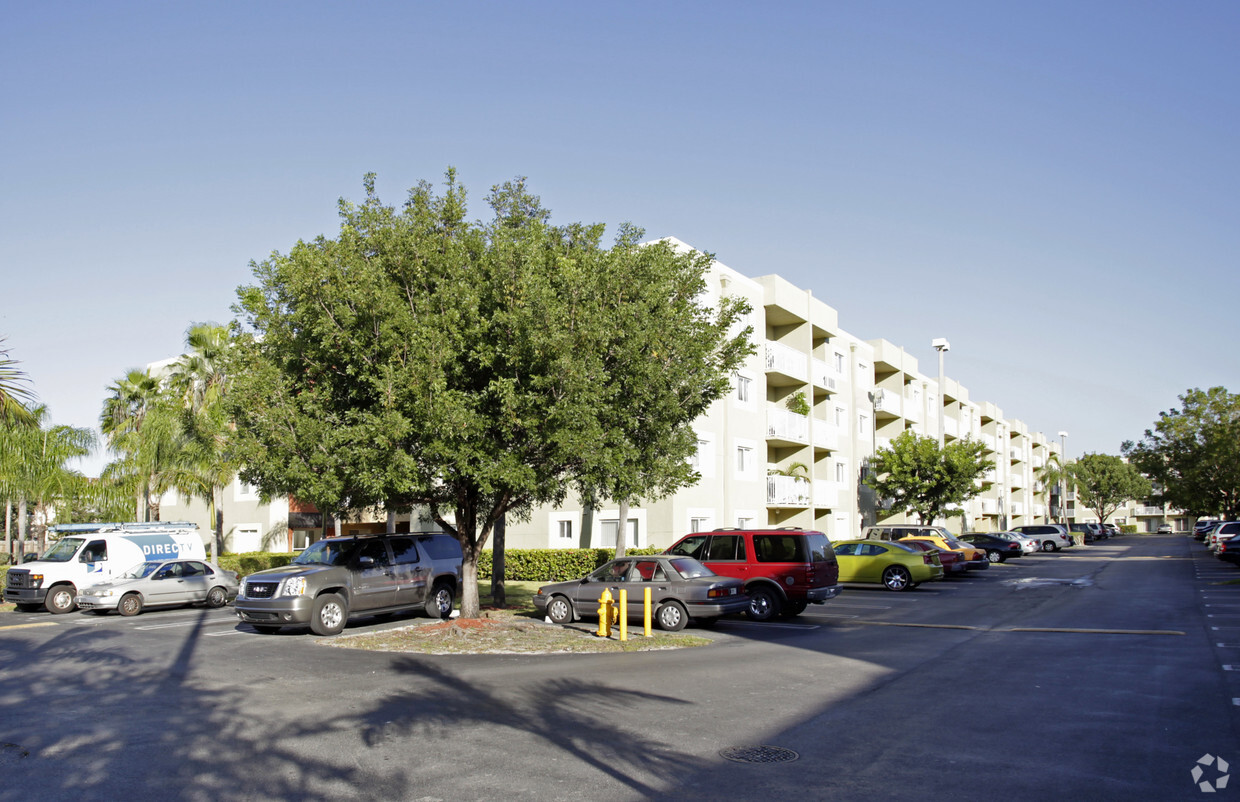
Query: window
[565, 529]
[841, 472]
[863, 424]
[404, 551]
[246, 537]
[726, 547]
[744, 523]
[742, 388]
[244, 491]
[375, 550]
[691, 546]
[840, 416]
[609, 532]
[744, 459]
[699, 524]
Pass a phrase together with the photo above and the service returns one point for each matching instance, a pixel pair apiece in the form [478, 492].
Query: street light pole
[1063, 478]
[941, 345]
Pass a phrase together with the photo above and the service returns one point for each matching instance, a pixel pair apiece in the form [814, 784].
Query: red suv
[783, 569]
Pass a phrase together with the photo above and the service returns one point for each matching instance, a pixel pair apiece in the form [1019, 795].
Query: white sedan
[1028, 545]
[161, 583]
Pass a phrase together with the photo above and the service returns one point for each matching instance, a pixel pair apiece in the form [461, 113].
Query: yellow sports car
[893, 565]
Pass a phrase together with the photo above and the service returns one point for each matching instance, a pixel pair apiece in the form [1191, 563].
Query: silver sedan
[161, 583]
[681, 588]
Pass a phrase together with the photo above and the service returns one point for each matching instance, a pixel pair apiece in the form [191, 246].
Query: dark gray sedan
[681, 588]
[161, 583]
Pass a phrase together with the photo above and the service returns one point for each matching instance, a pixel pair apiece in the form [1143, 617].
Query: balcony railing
[912, 409]
[1039, 510]
[788, 361]
[823, 375]
[1148, 511]
[787, 491]
[990, 506]
[826, 493]
[784, 424]
[988, 440]
[1017, 508]
[889, 403]
[951, 427]
[826, 435]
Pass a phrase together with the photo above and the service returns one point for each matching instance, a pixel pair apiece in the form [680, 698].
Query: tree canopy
[1193, 453]
[16, 398]
[921, 479]
[1105, 482]
[479, 369]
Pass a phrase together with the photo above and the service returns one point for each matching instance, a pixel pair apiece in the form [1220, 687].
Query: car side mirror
[366, 562]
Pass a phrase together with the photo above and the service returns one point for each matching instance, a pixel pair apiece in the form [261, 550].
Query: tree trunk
[8, 539]
[138, 506]
[498, 597]
[587, 522]
[217, 532]
[622, 530]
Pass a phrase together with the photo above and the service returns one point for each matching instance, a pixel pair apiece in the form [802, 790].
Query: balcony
[787, 362]
[989, 441]
[1039, 510]
[787, 491]
[823, 375]
[990, 506]
[951, 427]
[826, 436]
[889, 403]
[826, 493]
[785, 426]
[912, 409]
[1038, 462]
[1015, 454]
[1148, 511]
[1017, 508]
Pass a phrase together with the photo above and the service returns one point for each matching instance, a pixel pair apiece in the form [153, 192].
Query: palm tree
[34, 468]
[1055, 472]
[200, 380]
[14, 398]
[142, 424]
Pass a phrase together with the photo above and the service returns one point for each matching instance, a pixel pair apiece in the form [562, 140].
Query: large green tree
[923, 480]
[1105, 482]
[1193, 453]
[479, 369]
[142, 423]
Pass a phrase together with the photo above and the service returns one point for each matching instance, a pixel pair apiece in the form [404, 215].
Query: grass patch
[505, 632]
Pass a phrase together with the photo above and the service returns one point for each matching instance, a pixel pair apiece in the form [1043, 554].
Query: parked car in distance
[1053, 536]
[896, 566]
[953, 562]
[1028, 545]
[1228, 550]
[997, 549]
[1222, 532]
[974, 558]
[1090, 532]
[161, 583]
[784, 570]
[681, 589]
[1201, 525]
[340, 577]
[1164, 528]
[1113, 530]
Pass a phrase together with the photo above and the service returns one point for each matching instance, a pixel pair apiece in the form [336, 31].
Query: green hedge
[248, 563]
[1128, 529]
[550, 565]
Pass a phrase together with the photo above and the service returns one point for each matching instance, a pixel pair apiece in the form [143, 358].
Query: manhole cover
[758, 754]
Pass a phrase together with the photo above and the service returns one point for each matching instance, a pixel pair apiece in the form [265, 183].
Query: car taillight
[928, 559]
[715, 593]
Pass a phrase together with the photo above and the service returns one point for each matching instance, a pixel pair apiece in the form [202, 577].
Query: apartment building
[790, 443]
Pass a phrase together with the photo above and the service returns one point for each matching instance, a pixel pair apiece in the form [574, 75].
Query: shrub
[1128, 529]
[248, 563]
[551, 565]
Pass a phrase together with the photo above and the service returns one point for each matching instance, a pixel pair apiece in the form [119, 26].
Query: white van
[87, 554]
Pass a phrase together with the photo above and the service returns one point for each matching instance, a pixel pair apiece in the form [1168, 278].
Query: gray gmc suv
[340, 577]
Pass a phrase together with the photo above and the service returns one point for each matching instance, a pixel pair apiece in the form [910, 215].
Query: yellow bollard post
[624, 614]
[604, 614]
[646, 610]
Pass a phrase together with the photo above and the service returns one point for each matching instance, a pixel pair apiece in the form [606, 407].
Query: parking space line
[767, 625]
[214, 622]
[28, 626]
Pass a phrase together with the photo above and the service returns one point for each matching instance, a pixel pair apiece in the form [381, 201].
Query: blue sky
[1051, 186]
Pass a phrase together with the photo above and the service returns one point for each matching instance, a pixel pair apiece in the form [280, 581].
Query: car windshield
[689, 567]
[326, 552]
[63, 551]
[140, 570]
[955, 544]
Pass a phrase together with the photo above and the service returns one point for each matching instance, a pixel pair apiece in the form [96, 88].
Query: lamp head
[941, 344]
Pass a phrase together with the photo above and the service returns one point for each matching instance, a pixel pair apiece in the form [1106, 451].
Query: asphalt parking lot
[1103, 673]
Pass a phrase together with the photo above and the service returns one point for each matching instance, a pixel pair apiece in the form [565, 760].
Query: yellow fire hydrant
[606, 609]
